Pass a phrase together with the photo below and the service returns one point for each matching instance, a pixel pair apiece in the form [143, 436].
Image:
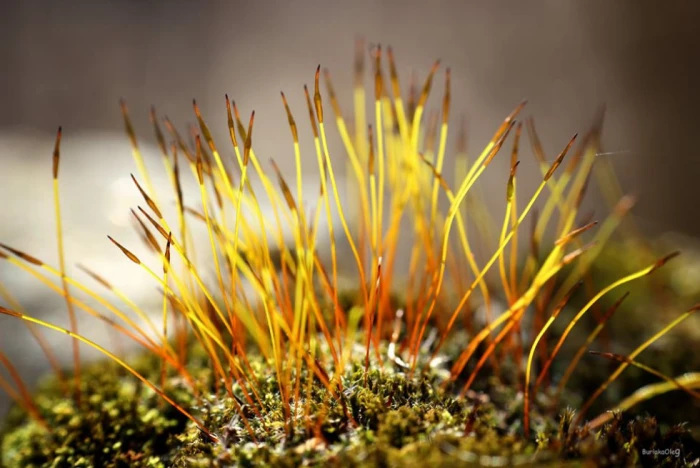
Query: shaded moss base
[384, 418]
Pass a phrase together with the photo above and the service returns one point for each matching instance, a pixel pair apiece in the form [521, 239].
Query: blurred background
[69, 63]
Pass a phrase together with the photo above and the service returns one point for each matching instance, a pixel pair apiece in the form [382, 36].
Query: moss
[383, 418]
[653, 302]
[639, 441]
[117, 422]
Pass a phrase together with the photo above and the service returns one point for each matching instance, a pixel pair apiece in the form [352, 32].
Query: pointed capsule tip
[670, 256]
[662, 261]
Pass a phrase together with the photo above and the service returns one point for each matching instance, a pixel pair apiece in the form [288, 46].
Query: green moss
[380, 418]
[118, 422]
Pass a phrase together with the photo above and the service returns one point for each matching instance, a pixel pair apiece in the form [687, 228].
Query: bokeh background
[68, 63]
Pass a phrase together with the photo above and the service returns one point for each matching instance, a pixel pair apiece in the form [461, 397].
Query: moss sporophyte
[459, 360]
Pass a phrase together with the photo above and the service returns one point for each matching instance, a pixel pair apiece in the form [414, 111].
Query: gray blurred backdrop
[68, 63]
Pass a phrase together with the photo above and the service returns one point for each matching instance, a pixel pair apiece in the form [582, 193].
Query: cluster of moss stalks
[384, 418]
